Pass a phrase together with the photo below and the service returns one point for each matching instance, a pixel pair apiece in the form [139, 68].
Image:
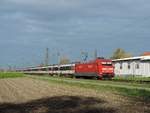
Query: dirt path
[25, 95]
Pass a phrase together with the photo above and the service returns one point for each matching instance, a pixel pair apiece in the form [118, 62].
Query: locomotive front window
[106, 63]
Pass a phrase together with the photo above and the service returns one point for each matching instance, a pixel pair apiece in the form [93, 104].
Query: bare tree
[64, 60]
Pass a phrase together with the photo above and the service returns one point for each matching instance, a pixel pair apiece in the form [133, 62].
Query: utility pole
[46, 57]
[95, 54]
[58, 58]
[9, 68]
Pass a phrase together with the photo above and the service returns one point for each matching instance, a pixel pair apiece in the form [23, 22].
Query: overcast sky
[27, 27]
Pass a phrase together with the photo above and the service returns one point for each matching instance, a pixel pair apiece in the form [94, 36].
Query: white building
[134, 66]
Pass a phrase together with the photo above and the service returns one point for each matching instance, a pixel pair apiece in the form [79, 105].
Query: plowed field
[27, 95]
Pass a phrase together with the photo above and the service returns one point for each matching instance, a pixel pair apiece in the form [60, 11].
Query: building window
[129, 66]
[137, 66]
[120, 66]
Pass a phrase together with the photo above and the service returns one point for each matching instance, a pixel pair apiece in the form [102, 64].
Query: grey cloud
[73, 25]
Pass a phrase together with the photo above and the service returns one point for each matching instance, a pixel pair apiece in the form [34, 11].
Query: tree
[120, 53]
[64, 60]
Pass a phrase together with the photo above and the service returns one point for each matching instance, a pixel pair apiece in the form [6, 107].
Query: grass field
[132, 79]
[10, 75]
[124, 88]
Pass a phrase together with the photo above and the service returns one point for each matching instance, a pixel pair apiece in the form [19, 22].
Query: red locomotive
[99, 68]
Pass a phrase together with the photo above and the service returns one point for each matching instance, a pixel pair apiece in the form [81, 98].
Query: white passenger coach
[51, 69]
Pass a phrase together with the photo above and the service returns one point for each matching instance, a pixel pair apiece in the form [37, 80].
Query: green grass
[129, 89]
[10, 75]
[132, 79]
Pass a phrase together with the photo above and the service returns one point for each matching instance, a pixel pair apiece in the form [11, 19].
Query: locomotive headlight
[107, 69]
[111, 69]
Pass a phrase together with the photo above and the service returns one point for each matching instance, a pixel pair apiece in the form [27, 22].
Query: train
[99, 68]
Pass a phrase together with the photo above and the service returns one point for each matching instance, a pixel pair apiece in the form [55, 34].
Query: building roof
[133, 58]
[146, 54]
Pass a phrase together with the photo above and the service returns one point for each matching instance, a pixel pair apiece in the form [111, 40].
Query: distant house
[146, 54]
[133, 66]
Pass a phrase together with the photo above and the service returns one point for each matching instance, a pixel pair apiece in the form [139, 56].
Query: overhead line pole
[58, 58]
[95, 53]
[47, 59]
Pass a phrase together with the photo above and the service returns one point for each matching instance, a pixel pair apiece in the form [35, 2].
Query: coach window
[49, 69]
[34, 69]
[64, 68]
[55, 68]
[61, 68]
[69, 68]
[43, 69]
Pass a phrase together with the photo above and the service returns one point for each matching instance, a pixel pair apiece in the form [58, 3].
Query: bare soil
[26, 95]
